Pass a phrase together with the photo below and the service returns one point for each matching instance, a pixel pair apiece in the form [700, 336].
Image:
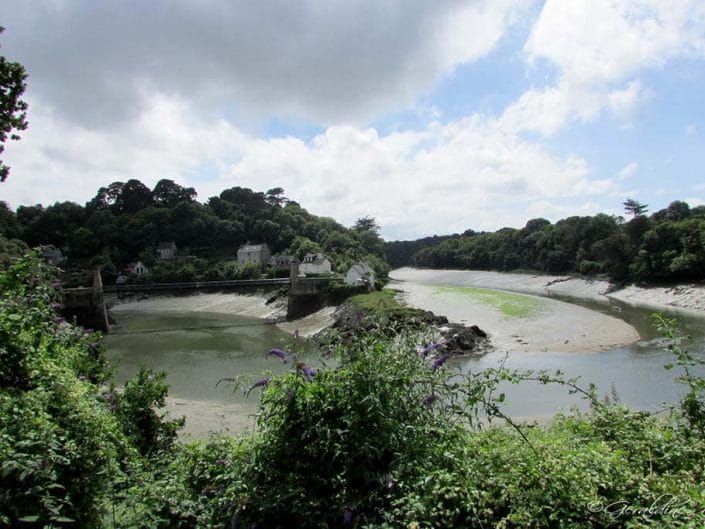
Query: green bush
[60, 447]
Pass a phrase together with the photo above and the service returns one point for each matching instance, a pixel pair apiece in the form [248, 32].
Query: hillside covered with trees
[668, 245]
[126, 221]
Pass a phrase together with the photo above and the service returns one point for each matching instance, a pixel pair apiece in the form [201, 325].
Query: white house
[138, 268]
[253, 253]
[166, 250]
[360, 274]
[315, 263]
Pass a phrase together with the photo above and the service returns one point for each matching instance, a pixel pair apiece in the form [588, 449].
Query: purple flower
[309, 373]
[56, 306]
[110, 396]
[56, 285]
[222, 462]
[425, 350]
[430, 399]
[347, 517]
[59, 319]
[278, 352]
[439, 361]
[259, 384]
[88, 331]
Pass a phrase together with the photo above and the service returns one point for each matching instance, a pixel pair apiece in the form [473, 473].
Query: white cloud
[439, 179]
[691, 129]
[598, 47]
[628, 171]
[327, 62]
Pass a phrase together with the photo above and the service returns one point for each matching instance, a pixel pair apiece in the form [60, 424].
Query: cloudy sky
[432, 117]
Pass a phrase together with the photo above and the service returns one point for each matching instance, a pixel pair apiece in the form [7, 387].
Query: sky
[431, 117]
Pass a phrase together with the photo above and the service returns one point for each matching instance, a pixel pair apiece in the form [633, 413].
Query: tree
[168, 193]
[13, 111]
[275, 196]
[134, 196]
[366, 223]
[634, 208]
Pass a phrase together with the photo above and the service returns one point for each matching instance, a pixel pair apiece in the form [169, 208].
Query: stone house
[166, 250]
[253, 253]
[360, 274]
[315, 263]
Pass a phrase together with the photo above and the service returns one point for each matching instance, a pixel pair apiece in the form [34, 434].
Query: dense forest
[125, 221]
[668, 245]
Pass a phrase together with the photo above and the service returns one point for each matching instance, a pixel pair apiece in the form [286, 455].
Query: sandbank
[687, 297]
[519, 322]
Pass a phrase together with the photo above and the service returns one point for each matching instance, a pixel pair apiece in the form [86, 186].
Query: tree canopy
[125, 221]
[13, 110]
[668, 245]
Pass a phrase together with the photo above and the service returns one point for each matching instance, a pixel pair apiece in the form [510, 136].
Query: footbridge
[87, 304]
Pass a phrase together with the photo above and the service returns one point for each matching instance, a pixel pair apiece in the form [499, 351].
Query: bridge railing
[205, 285]
[195, 285]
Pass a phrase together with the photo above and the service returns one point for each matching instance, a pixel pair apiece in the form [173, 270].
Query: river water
[633, 373]
[198, 349]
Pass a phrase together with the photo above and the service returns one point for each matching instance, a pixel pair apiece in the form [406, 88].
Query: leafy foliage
[125, 222]
[668, 245]
[383, 434]
[65, 444]
[13, 110]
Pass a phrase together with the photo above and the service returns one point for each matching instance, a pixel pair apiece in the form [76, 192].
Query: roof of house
[253, 247]
[361, 268]
[314, 258]
[282, 258]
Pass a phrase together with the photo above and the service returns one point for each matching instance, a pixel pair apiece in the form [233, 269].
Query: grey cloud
[326, 61]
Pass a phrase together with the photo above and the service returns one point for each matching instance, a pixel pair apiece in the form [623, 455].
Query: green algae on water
[509, 304]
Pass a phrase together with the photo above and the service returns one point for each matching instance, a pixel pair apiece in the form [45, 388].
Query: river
[200, 348]
[633, 371]
[197, 350]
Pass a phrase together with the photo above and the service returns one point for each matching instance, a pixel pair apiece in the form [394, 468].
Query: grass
[380, 299]
[509, 304]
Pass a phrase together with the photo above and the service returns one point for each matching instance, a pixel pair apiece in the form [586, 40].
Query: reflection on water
[197, 350]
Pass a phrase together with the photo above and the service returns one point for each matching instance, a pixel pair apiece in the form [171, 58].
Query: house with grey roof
[360, 274]
[282, 261]
[253, 253]
[315, 263]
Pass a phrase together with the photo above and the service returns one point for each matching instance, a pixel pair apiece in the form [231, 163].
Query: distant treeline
[125, 221]
[399, 253]
[665, 246]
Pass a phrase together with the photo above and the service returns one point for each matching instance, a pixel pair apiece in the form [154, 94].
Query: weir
[87, 304]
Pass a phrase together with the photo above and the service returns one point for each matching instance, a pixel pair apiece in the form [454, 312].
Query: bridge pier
[304, 296]
[87, 305]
